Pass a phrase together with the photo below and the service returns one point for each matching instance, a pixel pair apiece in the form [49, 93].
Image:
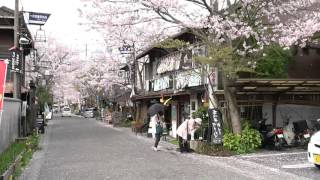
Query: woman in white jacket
[154, 121]
[188, 127]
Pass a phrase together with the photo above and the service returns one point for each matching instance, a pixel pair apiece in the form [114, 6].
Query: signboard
[189, 78]
[3, 72]
[126, 49]
[15, 60]
[214, 78]
[161, 83]
[37, 18]
[216, 127]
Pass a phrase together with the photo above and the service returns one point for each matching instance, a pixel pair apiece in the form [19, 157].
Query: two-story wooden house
[173, 74]
[169, 73]
[7, 49]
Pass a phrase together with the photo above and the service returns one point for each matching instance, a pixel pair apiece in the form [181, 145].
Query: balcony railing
[177, 80]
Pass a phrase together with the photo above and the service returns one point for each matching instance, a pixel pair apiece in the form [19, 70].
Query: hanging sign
[126, 49]
[3, 72]
[36, 18]
[15, 60]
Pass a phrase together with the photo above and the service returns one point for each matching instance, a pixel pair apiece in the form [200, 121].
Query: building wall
[9, 126]
[6, 42]
[306, 64]
[292, 112]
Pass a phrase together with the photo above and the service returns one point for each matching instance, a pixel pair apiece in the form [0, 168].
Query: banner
[215, 120]
[3, 72]
[36, 18]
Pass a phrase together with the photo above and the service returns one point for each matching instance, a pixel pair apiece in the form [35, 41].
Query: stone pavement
[250, 164]
[78, 148]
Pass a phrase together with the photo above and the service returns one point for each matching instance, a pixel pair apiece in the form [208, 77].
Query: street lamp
[130, 49]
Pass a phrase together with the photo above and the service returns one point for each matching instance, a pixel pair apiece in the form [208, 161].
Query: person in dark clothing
[183, 145]
[158, 135]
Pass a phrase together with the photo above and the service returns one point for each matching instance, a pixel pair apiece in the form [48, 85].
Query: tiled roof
[6, 12]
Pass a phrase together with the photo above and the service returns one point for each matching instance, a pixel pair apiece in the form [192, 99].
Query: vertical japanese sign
[16, 60]
[215, 120]
[3, 72]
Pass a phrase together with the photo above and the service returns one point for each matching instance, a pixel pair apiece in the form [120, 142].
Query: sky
[63, 23]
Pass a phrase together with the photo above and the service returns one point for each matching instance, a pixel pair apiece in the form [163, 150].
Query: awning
[277, 85]
[166, 93]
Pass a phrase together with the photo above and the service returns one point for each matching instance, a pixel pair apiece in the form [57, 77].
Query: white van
[66, 111]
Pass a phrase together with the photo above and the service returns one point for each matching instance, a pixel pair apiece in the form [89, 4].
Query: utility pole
[16, 76]
[134, 67]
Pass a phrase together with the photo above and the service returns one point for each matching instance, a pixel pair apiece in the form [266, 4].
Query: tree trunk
[230, 97]
[141, 80]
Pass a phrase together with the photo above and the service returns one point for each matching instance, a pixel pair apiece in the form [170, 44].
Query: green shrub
[30, 146]
[9, 155]
[201, 113]
[25, 148]
[246, 142]
[125, 124]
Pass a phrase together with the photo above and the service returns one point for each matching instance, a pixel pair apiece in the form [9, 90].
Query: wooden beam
[7, 17]
[6, 27]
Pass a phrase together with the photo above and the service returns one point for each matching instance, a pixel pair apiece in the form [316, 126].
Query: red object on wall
[3, 72]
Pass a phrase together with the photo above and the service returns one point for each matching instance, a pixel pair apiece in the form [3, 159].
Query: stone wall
[9, 124]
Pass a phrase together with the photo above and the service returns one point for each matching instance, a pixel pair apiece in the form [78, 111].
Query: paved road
[78, 148]
[292, 160]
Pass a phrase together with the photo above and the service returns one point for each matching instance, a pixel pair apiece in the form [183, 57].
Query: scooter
[298, 133]
[271, 137]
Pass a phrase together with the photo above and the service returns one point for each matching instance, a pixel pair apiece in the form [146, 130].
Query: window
[193, 106]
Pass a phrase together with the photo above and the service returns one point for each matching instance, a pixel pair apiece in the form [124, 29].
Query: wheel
[317, 165]
[277, 144]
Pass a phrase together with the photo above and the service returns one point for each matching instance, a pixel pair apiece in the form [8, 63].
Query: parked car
[55, 108]
[314, 149]
[88, 113]
[66, 111]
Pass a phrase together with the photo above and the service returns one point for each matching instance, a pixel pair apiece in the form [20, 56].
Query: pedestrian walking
[157, 129]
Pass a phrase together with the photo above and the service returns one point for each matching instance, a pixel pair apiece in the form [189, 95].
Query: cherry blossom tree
[234, 31]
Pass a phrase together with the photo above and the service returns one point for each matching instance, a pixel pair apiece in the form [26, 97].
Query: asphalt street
[79, 148]
[292, 160]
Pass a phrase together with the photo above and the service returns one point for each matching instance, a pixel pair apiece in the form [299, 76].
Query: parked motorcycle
[271, 137]
[298, 133]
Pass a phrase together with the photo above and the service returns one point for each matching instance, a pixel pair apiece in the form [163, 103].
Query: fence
[9, 127]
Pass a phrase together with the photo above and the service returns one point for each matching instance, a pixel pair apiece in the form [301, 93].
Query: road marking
[297, 166]
[269, 155]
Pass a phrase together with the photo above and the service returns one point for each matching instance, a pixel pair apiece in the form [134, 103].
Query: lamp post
[130, 49]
